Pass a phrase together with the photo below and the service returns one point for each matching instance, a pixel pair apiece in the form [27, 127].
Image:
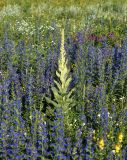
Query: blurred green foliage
[98, 16]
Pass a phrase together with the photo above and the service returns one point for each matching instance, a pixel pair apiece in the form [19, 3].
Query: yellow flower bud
[117, 148]
[101, 144]
[120, 137]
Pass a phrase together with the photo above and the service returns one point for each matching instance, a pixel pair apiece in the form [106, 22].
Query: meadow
[63, 80]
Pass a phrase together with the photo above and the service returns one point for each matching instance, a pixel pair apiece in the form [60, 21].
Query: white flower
[98, 115]
[10, 10]
[113, 151]
[25, 27]
[83, 124]
[122, 98]
[30, 117]
[25, 133]
[114, 100]
[75, 120]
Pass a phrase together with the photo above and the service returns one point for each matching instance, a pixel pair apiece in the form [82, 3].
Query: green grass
[97, 16]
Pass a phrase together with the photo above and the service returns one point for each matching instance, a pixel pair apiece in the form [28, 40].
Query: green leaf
[70, 93]
[67, 83]
[57, 73]
[58, 84]
[51, 102]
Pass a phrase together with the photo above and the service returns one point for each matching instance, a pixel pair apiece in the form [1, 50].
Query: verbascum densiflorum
[62, 97]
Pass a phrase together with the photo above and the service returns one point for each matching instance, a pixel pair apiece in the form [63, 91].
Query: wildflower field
[63, 80]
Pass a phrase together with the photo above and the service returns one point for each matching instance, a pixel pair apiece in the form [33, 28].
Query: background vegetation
[63, 80]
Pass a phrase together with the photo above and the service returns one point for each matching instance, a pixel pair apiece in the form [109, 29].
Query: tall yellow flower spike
[120, 137]
[117, 148]
[101, 144]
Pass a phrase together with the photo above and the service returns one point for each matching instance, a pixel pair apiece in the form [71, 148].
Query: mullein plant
[63, 97]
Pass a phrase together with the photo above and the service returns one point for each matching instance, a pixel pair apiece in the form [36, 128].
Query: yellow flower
[117, 148]
[109, 135]
[101, 144]
[120, 137]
